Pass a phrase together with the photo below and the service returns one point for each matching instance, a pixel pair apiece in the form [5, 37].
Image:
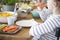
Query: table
[22, 34]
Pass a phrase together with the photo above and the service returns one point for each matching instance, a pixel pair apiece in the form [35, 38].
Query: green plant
[9, 2]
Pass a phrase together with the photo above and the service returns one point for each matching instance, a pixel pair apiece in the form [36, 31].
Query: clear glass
[10, 20]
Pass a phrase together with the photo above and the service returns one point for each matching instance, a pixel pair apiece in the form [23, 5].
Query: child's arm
[44, 14]
[48, 26]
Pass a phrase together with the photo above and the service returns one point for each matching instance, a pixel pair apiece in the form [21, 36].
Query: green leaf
[9, 2]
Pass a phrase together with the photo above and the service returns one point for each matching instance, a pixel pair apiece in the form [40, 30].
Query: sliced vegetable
[2, 26]
[10, 28]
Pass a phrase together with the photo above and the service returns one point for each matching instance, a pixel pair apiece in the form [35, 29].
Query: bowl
[4, 19]
[35, 14]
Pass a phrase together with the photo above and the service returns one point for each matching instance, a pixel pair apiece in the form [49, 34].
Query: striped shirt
[48, 26]
[45, 13]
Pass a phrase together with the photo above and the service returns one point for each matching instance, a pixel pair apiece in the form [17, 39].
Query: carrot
[9, 29]
[5, 28]
[12, 30]
[41, 5]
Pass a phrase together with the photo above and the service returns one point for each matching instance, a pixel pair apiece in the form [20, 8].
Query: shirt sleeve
[44, 14]
[48, 26]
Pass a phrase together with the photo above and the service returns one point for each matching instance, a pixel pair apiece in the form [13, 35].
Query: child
[50, 24]
[43, 11]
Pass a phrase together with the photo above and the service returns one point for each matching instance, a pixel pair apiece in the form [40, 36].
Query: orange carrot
[11, 28]
[5, 28]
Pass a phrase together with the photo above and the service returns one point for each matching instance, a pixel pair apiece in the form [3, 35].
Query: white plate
[26, 23]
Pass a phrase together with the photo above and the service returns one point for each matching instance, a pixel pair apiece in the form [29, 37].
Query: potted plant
[8, 5]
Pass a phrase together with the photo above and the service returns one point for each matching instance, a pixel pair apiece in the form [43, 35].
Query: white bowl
[4, 19]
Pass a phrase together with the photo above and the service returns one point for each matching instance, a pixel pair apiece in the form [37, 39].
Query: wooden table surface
[23, 34]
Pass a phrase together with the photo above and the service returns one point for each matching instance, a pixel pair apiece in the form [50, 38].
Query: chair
[52, 35]
[57, 33]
